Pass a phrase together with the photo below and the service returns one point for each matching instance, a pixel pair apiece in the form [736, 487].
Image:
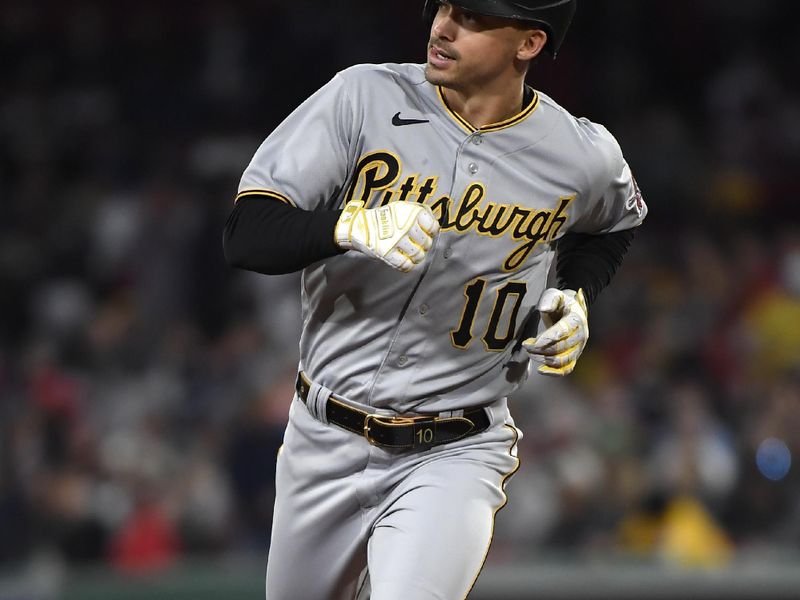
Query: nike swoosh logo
[398, 122]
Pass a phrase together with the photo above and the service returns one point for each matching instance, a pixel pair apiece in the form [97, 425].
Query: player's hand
[564, 314]
[399, 234]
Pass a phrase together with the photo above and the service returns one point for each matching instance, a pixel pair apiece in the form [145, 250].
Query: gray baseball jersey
[439, 339]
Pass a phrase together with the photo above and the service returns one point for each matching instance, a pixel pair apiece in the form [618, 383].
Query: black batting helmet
[554, 16]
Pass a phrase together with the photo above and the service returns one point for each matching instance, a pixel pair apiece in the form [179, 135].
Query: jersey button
[423, 309]
[402, 361]
[477, 140]
[448, 252]
[473, 168]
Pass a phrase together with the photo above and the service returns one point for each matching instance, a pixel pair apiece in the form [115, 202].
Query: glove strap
[344, 226]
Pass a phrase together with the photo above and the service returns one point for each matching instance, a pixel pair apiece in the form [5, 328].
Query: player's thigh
[318, 543]
[432, 540]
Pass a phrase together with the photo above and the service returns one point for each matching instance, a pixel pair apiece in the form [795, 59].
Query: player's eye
[470, 18]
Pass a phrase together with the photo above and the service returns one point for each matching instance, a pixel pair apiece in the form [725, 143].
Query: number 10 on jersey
[502, 322]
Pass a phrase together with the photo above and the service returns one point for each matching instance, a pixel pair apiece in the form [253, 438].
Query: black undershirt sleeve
[267, 236]
[590, 261]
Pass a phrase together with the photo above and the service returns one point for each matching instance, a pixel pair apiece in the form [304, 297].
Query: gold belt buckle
[367, 435]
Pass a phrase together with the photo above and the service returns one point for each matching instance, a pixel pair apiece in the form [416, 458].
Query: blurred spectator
[147, 542]
[678, 530]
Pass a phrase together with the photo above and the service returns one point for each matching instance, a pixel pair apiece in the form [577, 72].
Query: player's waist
[392, 430]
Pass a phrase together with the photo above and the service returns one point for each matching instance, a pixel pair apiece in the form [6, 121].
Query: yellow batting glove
[399, 234]
[565, 317]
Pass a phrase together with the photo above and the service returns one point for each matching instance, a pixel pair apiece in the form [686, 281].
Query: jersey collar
[469, 128]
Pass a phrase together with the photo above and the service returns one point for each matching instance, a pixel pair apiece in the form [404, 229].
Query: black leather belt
[399, 432]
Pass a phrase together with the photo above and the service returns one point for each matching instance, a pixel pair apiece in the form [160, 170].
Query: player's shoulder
[579, 135]
[409, 72]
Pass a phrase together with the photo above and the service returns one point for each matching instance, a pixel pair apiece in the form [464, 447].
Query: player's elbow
[235, 248]
[234, 255]
[240, 255]
[235, 245]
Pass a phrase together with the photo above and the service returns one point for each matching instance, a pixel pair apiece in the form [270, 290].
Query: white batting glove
[564, 314]
[399, 234]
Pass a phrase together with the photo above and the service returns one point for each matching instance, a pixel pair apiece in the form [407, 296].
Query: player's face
[470, 51]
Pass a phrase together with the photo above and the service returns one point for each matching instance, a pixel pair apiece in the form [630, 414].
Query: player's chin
[436, 76]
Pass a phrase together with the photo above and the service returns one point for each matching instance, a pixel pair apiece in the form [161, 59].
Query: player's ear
[532, 44]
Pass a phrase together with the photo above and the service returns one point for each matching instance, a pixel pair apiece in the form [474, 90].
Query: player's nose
[443, 25]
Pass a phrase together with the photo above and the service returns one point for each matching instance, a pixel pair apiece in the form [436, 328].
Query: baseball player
[425, 205]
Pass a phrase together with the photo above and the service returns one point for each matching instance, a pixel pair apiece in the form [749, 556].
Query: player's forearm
[266, 236]
[589, 262]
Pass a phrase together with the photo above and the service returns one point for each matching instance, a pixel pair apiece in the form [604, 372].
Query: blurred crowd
[144, 386]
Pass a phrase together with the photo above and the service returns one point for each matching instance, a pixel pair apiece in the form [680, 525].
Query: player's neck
[487, 106]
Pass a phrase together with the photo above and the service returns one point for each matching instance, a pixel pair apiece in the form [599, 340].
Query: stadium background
[144, 385]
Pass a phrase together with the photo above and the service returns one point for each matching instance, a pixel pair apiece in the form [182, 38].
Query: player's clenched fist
[564, 314]
[400, 234]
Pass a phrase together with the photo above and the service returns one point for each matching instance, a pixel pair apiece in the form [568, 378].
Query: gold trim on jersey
[526, 112]
[505, 124]
[503, 482]
[267, 193]
[458, 118]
